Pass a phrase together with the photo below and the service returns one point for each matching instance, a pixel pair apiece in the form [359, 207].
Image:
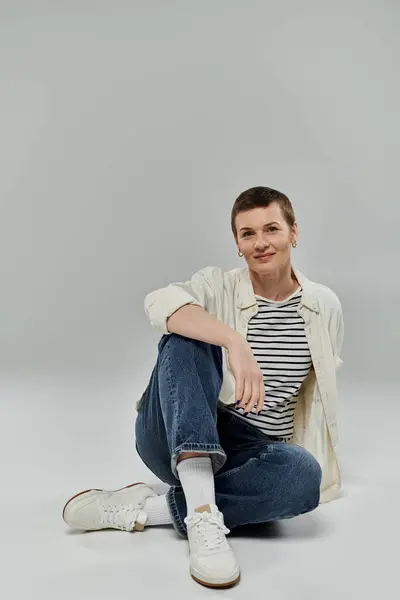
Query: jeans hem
[217, 455]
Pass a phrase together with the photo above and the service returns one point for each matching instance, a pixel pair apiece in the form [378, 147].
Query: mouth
[265, 255]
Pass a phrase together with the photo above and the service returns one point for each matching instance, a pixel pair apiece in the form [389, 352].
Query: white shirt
[279, 344]
[230, 297]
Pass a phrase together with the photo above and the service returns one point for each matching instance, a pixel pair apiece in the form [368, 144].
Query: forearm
[193, 321]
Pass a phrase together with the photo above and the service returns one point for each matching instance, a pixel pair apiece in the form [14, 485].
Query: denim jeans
[257, 478]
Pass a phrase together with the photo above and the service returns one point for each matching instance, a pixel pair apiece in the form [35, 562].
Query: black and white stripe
[278, 341]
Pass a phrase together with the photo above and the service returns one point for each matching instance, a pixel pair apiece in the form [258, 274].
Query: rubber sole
[98, 490]
[216, 585]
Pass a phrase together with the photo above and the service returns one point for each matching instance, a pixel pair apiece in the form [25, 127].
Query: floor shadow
[258, 530]
[300, 527]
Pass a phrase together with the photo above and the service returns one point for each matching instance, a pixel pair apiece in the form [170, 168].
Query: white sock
[157, 511]
[197, 480]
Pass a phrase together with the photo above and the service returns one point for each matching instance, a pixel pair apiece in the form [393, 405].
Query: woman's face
[264, 230]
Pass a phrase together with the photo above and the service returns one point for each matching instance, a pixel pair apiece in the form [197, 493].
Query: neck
[275, 286]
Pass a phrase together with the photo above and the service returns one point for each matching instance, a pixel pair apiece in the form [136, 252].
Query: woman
[239, 413]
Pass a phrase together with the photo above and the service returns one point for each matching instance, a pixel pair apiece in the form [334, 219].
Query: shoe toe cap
[217, 568]
[81, 513]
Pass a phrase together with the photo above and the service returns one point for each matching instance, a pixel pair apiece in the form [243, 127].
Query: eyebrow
[266, 225]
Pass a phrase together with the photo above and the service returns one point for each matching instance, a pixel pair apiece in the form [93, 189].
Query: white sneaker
[101, 509]
[212, 562]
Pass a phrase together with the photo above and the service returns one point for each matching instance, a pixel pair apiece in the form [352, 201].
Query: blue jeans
[257, 478]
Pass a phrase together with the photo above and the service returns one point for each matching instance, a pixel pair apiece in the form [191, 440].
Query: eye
[269, 228]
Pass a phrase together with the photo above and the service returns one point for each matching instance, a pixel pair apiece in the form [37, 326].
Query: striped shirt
[278, 342]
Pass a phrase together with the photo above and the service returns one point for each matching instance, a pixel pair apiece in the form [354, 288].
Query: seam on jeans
[195, 447]
[171, 389]
[187, 446]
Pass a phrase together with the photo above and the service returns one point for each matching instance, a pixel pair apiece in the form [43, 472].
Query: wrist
[233, 339]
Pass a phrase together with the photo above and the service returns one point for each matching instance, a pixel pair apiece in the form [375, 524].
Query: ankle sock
[197, 480]
[157, 511]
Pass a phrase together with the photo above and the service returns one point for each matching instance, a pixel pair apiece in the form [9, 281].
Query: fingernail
[237, 402]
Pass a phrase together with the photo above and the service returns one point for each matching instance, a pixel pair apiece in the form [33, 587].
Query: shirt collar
[245, 296]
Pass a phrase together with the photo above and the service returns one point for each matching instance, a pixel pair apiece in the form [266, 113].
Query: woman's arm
[194, 322]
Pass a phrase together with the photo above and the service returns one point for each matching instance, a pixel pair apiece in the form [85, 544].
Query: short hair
[262, 196]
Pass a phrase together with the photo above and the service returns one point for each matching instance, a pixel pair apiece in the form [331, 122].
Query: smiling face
[264, 230]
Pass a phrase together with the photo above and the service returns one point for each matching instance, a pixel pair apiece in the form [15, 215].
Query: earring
[240, 254]
[295, 244]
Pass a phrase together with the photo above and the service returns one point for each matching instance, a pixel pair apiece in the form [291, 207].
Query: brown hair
[262, 196]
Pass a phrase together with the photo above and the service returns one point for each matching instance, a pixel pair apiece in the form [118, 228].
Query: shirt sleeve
[200, 290]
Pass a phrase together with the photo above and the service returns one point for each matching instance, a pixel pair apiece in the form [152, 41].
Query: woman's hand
[248, 375]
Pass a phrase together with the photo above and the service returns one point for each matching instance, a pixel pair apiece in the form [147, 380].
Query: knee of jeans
[181, 344]
[310, 474]
[180, 340]
[305, 472]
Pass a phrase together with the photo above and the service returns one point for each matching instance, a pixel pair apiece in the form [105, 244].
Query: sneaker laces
[210, 529]
[123, 516]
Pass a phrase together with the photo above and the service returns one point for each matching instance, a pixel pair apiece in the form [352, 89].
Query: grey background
[127, 131]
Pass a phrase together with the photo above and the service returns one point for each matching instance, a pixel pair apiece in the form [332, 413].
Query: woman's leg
[257, 479]
[262, 480]
[178, 413]
[177, 423]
